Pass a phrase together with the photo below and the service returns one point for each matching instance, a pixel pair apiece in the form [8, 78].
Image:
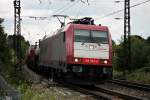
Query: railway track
[143, 87]
[100, 93]
[118, 95]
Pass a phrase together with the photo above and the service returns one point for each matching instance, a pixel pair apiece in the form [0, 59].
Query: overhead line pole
[17, 29]
[127, 33]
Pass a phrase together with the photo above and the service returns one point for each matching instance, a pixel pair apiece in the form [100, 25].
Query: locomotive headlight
[76, 60]
[105, 61]
[91, 47]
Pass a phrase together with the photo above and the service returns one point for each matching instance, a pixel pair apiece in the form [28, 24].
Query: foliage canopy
[140, 56]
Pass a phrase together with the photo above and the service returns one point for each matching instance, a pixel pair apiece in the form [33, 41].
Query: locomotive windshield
[91, 36]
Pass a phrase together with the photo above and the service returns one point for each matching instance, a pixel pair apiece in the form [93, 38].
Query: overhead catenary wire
[118, 11]
[63, 7]
[70, 6]
[60, 10]
[79, 10]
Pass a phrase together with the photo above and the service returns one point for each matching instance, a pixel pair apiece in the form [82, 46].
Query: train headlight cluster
[105, 61]
[91, 47]
[76, 60]
[91, 61]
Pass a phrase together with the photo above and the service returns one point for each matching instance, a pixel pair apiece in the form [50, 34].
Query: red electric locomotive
[80, 52]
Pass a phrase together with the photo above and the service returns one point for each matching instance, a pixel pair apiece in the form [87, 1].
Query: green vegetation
[141, 75]
[8, 69]
[140, 54]
[5, 52]
[39, 92]
[140, 59]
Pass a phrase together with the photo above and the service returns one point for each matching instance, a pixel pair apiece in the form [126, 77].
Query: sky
[33, 29]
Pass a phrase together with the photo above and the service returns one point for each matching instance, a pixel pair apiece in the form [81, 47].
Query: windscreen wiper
[85, 41]
[89, 38]
[98, 43]
[94, 41]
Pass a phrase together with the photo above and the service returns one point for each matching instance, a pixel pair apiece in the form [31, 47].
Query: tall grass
[141, 75]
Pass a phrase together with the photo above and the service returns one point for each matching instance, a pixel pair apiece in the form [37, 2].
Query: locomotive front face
[91, 47]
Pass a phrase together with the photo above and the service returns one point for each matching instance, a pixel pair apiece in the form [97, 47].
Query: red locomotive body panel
[49, 51]
[70, 44]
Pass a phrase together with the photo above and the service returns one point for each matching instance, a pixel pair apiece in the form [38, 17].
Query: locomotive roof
[83, 26]
[79, 26]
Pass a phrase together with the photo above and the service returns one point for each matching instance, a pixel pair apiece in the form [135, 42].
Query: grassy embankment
[140, 75]
[30, 91]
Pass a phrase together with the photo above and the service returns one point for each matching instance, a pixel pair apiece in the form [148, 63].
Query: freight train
[80, 52]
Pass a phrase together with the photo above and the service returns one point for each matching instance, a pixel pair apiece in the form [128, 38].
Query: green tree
[140, 56]
[24, 44]
[147, 50]
[5, 56]
[5, 53]
[148, 40]
[118, 55]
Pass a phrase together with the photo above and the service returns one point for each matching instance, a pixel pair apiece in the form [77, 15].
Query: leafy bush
[140, 56]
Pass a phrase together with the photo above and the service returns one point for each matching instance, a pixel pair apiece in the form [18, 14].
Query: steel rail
[144, 87]
[101, 93]
[86, 91]
[117, 94]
